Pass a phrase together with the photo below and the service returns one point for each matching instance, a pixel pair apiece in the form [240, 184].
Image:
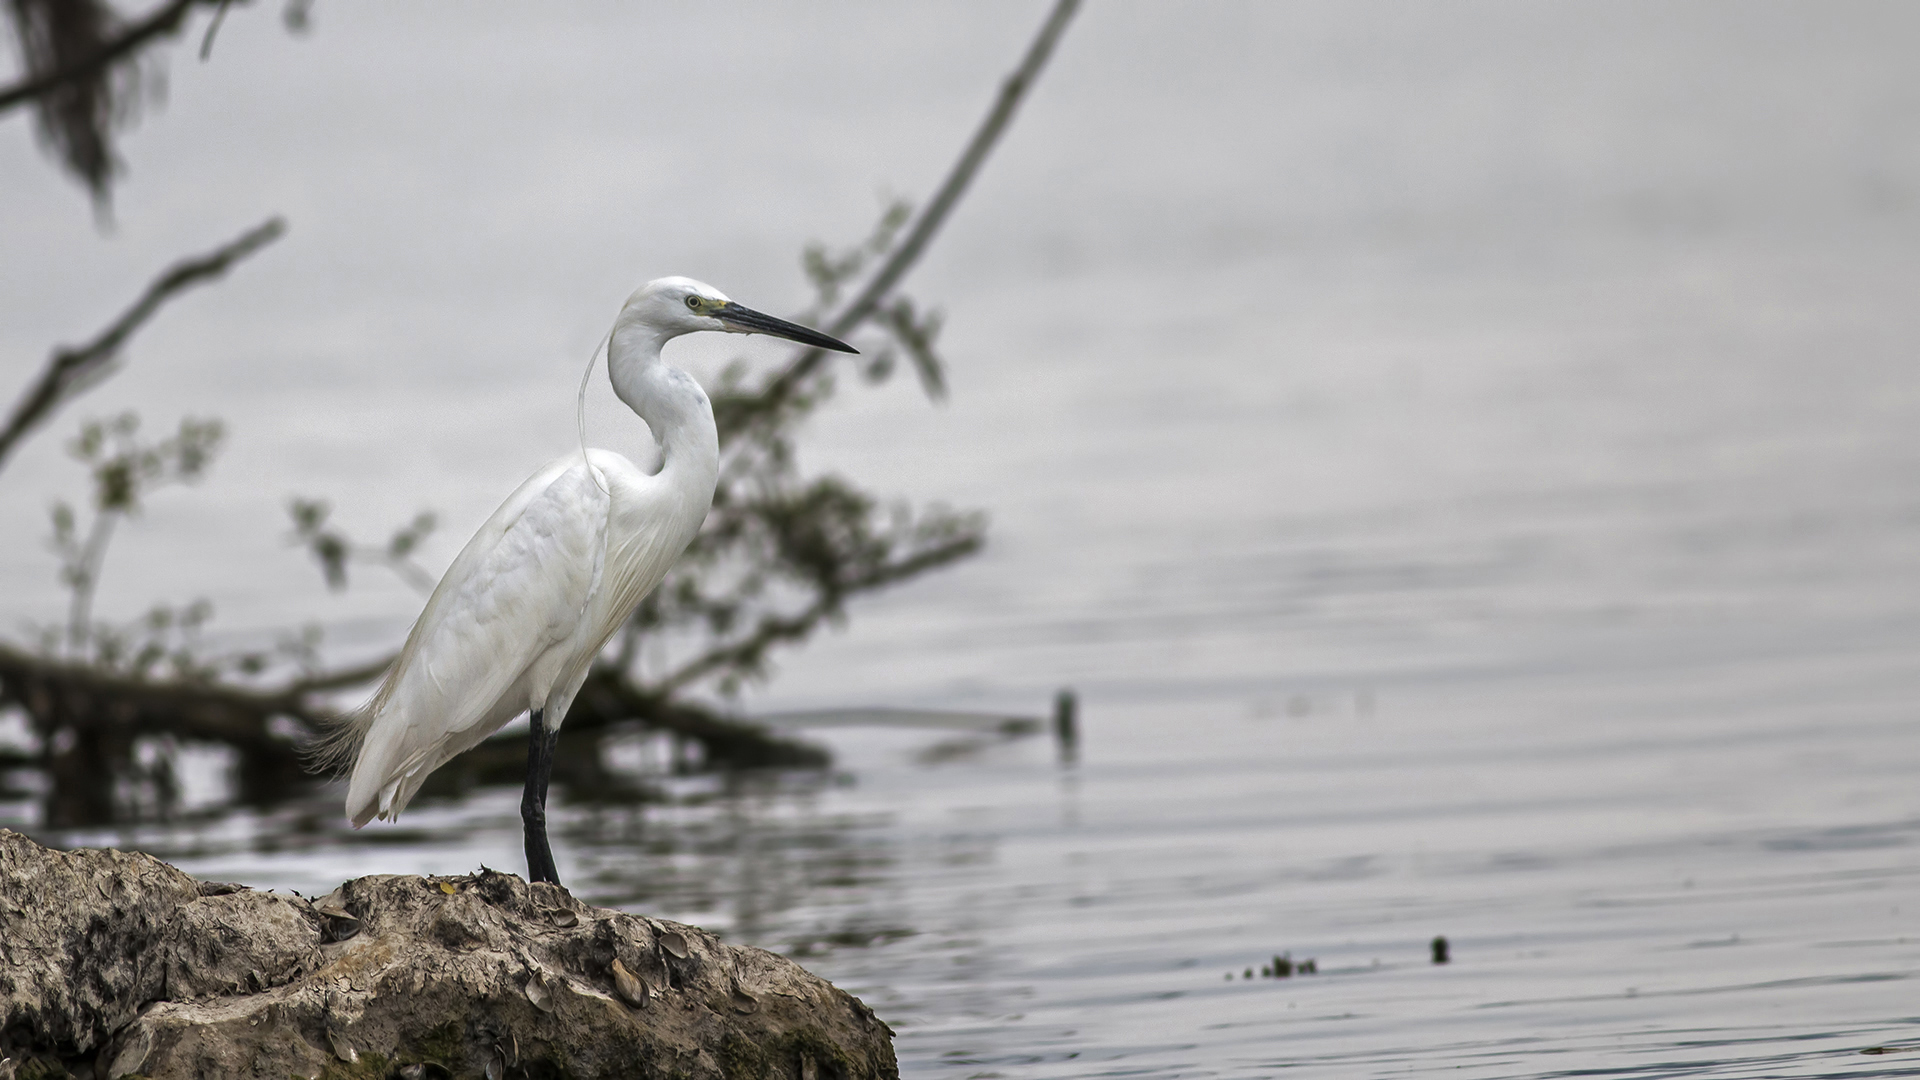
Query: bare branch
[213, 28]
[773, 629]
[102, 712]
[72, 370]
[161, 23]
[607, 699]
[209, 711]
[763, 457]
[934, 214]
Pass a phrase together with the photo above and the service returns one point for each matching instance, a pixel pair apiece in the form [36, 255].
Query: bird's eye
[693, 302]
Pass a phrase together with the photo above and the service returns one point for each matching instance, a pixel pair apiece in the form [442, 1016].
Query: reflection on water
[1734, 895]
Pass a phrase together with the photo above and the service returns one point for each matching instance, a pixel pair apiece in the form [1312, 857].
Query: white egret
[523, 611]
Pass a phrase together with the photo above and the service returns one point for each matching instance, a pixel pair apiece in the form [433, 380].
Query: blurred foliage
[124, 471]
[87, 70]
[333, 550]
[165, 642]
[78, 120]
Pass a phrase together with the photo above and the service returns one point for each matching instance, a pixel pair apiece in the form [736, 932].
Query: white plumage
[520, 616]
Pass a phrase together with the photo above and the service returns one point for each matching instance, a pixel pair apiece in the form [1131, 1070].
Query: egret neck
[671, 402]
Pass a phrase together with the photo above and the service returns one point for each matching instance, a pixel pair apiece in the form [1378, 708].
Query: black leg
[533, 804]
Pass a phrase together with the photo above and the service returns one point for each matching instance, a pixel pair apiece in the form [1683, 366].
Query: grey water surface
[1466, 457]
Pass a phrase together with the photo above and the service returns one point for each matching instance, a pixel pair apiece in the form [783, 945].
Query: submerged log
[116, 964]
[88, 719]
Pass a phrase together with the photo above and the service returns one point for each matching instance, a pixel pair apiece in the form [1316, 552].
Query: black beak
[755, 322]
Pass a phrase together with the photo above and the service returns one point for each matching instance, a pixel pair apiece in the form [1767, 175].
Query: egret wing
[649, 525]
[520, 587]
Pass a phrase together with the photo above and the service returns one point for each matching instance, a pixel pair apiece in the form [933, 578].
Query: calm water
[1467, 460]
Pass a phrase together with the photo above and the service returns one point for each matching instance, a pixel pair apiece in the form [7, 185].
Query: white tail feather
[333, 750]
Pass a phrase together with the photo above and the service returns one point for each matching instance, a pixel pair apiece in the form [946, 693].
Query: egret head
[671, 306]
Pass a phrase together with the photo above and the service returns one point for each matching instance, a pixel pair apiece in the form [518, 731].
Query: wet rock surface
[115, 964]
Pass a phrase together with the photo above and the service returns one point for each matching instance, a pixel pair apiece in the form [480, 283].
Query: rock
[114, 963]
[80, 942]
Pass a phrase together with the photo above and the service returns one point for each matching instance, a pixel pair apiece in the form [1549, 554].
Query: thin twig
[774, 629]
[70, 370]
[93, 554]
[934, 214]
[165, 21]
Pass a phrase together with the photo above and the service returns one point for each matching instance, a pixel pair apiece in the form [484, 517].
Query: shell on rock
[540, 993]
[342, 1049]
[743, 1002]
[631, 989]
[674, 942]
[342, 924]
[133, 1054]
[506, 1054]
